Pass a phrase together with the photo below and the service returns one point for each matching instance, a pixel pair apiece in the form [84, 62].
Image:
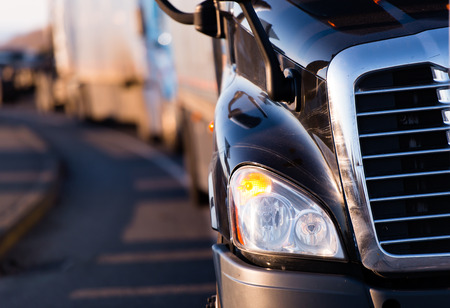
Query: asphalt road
[122, 234]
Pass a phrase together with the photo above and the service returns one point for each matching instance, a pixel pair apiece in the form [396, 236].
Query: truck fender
[250, 129]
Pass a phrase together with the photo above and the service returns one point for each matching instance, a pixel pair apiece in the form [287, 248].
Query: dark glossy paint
[311, 32]
[369, 16]
[252, 130]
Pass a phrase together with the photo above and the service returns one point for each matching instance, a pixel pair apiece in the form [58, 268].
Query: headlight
[268, 214]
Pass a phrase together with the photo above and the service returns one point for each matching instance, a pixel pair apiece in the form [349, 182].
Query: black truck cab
[329, 181]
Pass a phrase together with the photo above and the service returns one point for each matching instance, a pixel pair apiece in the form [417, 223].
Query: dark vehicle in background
[330, 176]
[16, 73]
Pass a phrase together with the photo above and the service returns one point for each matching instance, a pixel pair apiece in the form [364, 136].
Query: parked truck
[196, 97]
[329, 183]
[112, 61]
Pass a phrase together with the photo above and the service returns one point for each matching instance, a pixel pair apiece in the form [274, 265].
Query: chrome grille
[403, 118]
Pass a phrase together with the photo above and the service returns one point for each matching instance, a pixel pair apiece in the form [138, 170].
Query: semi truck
[329, 181]
[113, 60]
[196, 97]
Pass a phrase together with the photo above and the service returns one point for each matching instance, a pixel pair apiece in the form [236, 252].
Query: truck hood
[312, 32]
[361, 17]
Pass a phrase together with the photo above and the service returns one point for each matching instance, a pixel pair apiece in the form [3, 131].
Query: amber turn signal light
[211, 126]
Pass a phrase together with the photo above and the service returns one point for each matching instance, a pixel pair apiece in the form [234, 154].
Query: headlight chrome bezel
[289, 200]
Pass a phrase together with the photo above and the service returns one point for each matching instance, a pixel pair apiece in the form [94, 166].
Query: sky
[21, 16]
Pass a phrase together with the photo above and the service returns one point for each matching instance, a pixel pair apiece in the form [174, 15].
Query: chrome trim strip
[412, 218]
[405, 132]
[446, 116]
[406, 175]
[415, 240]
[410, 153]
[393, 111]
[402, 89]
[345, 68]
[440, 75]
[405, 197]
[444, 96]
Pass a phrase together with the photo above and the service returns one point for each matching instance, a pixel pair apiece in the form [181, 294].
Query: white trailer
[196, 97]
[110, 64]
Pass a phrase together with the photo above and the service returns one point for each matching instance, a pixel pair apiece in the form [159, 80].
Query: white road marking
[164, 220]
[150, 257]
[138, 148]
[142, 291]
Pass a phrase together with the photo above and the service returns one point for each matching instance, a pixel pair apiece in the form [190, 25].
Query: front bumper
[243, 285]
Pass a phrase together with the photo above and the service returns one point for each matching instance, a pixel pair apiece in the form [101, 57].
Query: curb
[29, 207]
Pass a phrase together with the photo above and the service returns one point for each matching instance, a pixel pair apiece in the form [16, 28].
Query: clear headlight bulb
[270, 214]
[267, 222]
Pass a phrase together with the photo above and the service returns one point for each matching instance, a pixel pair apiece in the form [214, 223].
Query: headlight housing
[270, 215]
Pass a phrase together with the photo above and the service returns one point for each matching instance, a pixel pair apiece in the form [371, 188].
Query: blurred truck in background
[197, 93]
[112, 61]
[17, 68]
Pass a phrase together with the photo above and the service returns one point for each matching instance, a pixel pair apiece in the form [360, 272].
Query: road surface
[122, 234]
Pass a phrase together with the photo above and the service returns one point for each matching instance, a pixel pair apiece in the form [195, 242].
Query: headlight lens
[268, 214]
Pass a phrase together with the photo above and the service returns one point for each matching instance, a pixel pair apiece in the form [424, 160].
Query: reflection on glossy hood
[368, 16]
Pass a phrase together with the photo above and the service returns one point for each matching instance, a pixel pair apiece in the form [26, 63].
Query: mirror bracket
[208, 19]
[175, 14]
[279, 87]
